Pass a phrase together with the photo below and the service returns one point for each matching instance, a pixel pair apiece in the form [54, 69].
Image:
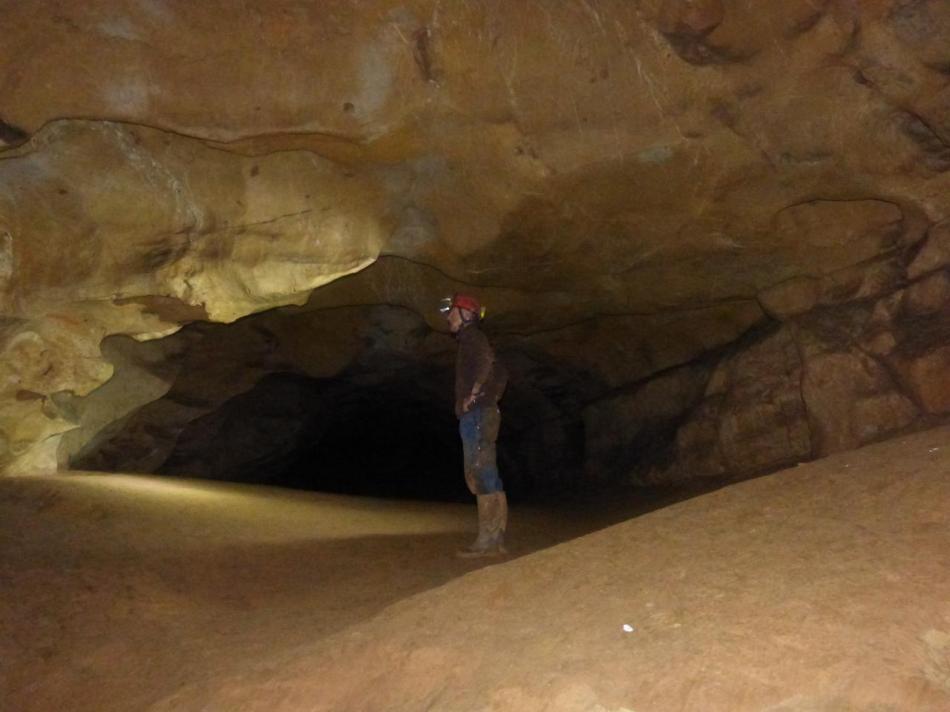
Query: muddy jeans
[479, 431]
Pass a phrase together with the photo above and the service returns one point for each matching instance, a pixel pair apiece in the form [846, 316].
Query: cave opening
[328, 435]
[389, 440]
[354, 401]
[384, 445]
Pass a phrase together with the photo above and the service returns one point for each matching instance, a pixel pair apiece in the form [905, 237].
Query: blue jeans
[479, 431]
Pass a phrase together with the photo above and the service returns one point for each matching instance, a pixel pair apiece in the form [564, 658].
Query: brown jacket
[476, 363]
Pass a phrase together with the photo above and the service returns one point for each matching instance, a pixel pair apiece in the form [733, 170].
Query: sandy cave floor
[821, 588]
[118, 590]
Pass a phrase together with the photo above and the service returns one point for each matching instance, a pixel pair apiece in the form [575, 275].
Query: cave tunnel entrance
[255, 402]
[396, 439]
[382, 443]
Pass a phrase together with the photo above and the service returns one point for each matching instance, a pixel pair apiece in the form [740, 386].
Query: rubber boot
[492, 522]
[499, 521]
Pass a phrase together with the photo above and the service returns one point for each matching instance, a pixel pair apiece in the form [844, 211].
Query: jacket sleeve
[484, 358]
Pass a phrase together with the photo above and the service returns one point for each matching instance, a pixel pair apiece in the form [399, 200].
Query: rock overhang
[629, 185]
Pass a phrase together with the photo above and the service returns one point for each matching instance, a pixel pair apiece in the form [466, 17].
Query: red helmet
[462, 301]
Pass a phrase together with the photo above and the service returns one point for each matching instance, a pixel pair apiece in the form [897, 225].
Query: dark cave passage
[396, 439]
[380, 442]
[353, 401]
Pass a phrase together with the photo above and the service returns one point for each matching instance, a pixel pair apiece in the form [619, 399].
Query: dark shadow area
[381, 443]
[246, 402]
[395, 439]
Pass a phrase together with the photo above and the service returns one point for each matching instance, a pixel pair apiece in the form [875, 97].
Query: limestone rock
[927, 376]
[625, 431]
[626, 349]
[762, 414]
[928, 295]
[756, 422]
[792, 297]
[260, 433]
[880, 342]
[935, 254]
[866, 280]
[685, 25]
[631, 187]
[142, 373]
[689, 17]
[698, 447]
[851, 401]
[923, 26]
[138, 212]
[836, 234]
[851, 397]
[887, 309]
[807, 390]
[874, 278]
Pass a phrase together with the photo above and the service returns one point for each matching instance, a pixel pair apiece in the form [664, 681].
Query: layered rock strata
[730, 197]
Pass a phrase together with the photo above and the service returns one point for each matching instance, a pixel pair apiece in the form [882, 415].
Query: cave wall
[249, 400]
[848, 370]
[828, 374]
[637, 189]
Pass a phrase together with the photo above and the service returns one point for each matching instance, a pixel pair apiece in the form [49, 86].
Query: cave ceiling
[625, 184]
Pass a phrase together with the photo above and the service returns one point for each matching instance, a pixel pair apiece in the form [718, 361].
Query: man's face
[454, 317]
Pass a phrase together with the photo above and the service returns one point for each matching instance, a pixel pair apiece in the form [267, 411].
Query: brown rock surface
[935, 253]
[623, 429]
[851, 401]
[819, 588]
[753, 418]
[628, 185]
[928, 295]
[927, 376]
[791, 298]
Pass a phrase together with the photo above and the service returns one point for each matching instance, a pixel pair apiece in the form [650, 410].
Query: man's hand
[472, 397]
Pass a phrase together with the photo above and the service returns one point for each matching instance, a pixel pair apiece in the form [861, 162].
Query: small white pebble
[627, 628]
[934, 449]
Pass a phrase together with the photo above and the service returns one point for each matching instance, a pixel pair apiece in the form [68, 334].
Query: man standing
[479, 384]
